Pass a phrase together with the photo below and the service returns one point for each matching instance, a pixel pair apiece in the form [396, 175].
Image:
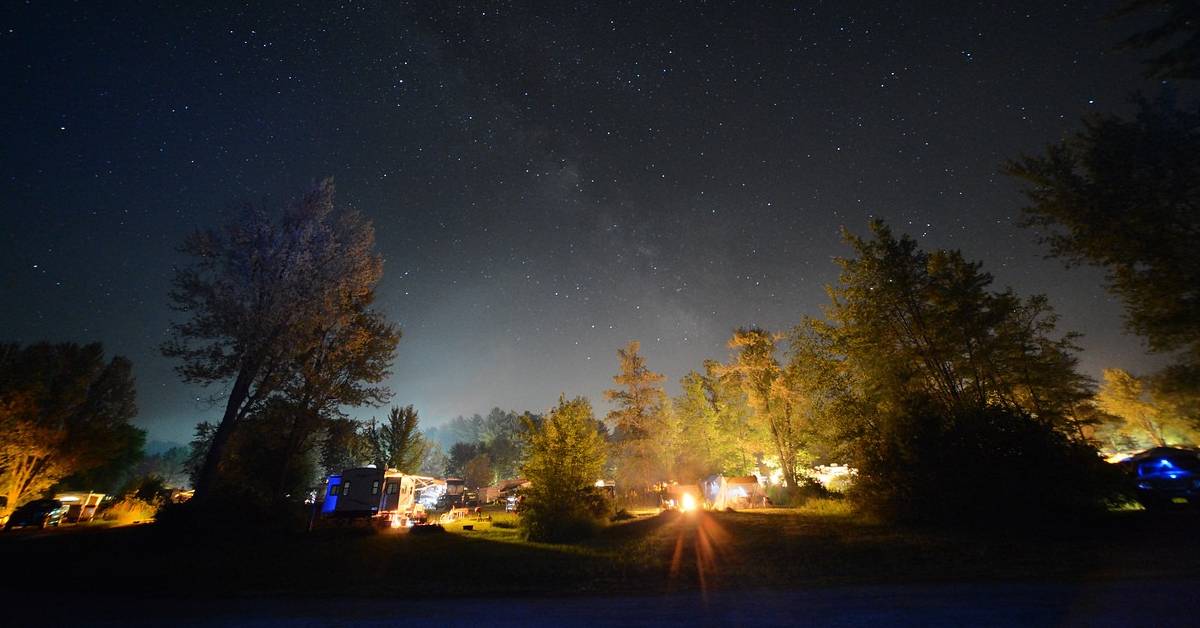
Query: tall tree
[756, 370]
[63, 411]
[641, 428]
[1122, 195]
[914, 322]
[269, 301]
[397, 443]
[1144, 413]
[717, 433]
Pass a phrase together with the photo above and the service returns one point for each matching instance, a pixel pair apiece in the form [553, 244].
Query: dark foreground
[809, 567]
[1122, 603]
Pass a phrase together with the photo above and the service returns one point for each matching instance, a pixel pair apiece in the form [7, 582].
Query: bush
[227, 512]
[567, 519]
[129, 510]
[985, 465]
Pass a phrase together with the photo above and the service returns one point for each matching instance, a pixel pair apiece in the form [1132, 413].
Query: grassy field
[822, 544]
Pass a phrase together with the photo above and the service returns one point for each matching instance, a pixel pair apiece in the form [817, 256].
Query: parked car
[37, 514]
[1167, 477]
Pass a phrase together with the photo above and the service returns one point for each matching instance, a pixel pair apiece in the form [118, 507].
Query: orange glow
[687, 503]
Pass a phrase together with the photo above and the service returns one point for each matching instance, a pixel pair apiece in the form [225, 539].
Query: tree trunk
[220, 442]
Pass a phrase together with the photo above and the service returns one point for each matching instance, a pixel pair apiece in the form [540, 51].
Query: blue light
[330, 502]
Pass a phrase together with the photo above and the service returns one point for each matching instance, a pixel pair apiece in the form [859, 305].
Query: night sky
[546, 183]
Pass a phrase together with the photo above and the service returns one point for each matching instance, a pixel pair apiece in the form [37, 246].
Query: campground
[821, 545]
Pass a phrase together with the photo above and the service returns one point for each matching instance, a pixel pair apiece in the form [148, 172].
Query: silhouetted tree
[344, 446]
[477, 473]
[1122, 195]
[397, 443]
[459, 455]
[1180, 25]
[281, 307]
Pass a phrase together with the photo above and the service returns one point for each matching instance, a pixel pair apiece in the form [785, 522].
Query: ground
[757, 563]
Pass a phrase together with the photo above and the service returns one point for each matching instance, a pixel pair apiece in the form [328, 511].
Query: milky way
[546, 184]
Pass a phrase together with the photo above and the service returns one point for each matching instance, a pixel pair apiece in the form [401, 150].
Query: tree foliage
[478, 473]
[642, 428]
[280, 308]
[1123, 195]
[911, 322]
[564, 456]
[64, 410]
[717, 433]
[1145, 414]
[1180, 25]
[397, 443]
[935, 385]
[756, 370]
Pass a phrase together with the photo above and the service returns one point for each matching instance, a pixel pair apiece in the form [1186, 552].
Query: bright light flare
[687, 503]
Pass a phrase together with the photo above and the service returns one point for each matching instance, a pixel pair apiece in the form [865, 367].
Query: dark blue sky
[547, 183]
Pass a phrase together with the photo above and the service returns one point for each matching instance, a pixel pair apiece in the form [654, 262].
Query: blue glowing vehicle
[1167, 477]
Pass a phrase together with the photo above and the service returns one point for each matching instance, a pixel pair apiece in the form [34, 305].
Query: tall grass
[130, 510]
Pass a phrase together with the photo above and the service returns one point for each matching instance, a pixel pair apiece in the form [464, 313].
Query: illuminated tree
[916, 323]
[773, 395]
[1145, 413]
[281, 307]
[63, 411]
[717, 433]
[949, 386]
[564, 456]
[642, 434]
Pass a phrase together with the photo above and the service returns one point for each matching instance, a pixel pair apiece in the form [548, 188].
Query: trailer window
[333, 490]
[375, 487]
[345, 488]
[393, 488]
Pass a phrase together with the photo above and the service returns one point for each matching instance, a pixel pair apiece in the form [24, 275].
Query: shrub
[129, 510]
[985, 465]
[564, 457]
[229, 512]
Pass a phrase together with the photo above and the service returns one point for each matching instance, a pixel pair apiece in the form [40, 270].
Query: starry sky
[548, 180]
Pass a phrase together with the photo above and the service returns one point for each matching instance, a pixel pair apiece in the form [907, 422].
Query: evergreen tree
[642, 434]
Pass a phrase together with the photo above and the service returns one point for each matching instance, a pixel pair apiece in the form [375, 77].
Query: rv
[388, 497]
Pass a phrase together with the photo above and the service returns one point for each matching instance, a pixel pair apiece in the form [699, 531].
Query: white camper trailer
[389, 497]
